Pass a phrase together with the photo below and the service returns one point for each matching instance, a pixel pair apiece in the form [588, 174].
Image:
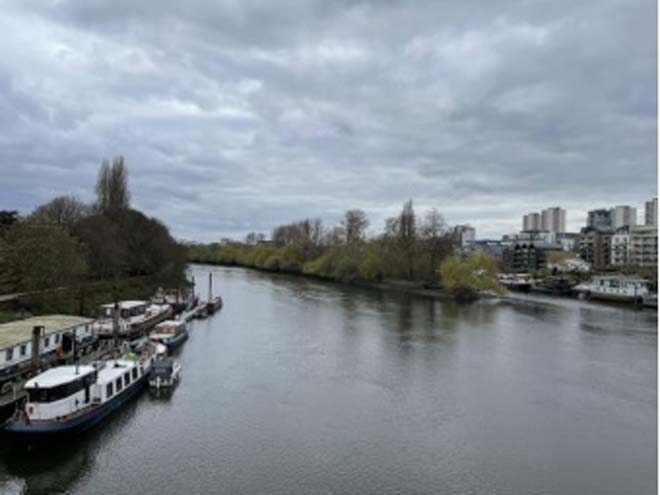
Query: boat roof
[15, 332]
[126, 304]
[114, 369]
[59, 375]
[170, 323]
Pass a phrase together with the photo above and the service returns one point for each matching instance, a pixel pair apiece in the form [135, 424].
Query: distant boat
[170, 333]
[70, 399]
[134, 318]
[614, 288]
[516, 281]
[214, 305]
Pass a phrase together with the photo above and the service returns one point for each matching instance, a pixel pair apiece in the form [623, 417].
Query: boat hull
[44, 429]
[176, 342]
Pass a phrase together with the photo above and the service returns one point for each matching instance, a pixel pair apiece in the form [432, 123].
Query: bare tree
[407, 227]
[64, 211]
[112, 186]
[355, 224]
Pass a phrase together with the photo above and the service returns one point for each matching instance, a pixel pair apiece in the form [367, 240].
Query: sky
[236, 116]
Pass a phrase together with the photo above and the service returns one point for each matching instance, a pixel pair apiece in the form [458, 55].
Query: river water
[301, 387]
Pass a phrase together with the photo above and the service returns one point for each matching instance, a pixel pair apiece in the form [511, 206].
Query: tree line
[66, 242]
[410, 247]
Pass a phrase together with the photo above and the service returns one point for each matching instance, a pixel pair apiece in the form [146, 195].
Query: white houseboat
[614, 288]
[71, 399]
[133, 318]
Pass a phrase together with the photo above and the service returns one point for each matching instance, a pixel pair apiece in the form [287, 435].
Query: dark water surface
[299, 387]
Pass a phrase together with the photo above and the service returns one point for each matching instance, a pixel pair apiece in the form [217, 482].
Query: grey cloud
[235, 116]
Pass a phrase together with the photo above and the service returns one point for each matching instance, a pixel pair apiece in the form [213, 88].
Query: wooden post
[36, 346]
[115, 325]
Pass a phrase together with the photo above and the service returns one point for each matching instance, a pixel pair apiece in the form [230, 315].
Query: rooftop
[59, 375]
[15, 332]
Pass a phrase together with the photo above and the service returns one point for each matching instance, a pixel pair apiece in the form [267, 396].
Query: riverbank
[401, 286]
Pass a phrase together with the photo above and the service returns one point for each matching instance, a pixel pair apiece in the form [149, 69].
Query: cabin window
[46, 341]
[118, 384]
[58, 393]
[127, 379]
[9, 354]
[108, 390]
[57, 338]
[23, 349]
[134, 373]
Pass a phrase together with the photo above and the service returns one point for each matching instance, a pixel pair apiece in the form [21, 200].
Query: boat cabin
[60, 391]
[618, 284]
[127, 309]
[170, 327]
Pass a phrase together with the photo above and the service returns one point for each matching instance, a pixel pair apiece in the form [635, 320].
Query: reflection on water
[304, 387]
[55, 466]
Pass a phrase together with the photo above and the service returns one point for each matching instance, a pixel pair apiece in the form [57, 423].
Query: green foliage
[42, 257]
[464, 278]
[370, 269]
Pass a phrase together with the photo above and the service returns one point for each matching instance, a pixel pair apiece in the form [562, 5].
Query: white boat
[133, 318]
[614, 288]
[165, 373]
[70, 399]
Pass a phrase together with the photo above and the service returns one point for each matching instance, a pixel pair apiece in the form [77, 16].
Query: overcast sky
[239, 115]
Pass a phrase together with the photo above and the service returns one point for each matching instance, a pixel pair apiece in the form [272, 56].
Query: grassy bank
[360, 265]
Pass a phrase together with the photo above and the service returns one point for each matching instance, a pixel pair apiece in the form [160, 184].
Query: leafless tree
[355, 224]
[63, 211]
[112, 186]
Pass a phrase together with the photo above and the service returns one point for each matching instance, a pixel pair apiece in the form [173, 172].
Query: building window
[23, 349]
[108, 390]
[9, 354]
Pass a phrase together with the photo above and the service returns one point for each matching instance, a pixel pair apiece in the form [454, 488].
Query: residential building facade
[600, 219]
[624, 216]
[553, 220]
[532, 222]
[651, 212]
[644, 246]
[466, 234]
[620, 247]
[595, 247]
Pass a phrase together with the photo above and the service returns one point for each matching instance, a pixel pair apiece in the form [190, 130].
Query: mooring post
[36, 346]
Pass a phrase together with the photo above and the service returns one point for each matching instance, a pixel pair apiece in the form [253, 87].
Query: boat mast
[210, 286]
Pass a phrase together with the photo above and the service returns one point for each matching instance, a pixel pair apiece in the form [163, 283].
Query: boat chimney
[36, 343]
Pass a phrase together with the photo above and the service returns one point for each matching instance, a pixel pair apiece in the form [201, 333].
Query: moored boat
[165, 373]
[71, 399]
[170, 333]
[614, 288]
[132, 318]
[215, 304]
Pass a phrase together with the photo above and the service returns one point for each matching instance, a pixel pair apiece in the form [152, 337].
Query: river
[302, 387]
